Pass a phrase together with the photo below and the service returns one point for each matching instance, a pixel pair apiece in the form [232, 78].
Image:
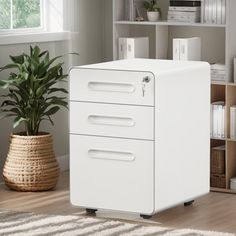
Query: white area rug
[29, 224]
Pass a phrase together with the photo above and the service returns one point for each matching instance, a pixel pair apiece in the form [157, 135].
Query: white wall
[90, 31]
[90, 45]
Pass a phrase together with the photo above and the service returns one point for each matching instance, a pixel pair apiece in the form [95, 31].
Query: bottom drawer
[112, 173]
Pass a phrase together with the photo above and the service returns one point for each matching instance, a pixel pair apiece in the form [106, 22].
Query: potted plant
[32, 98]
[153, 10]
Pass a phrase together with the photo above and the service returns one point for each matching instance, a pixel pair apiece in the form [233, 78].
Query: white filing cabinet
[139, 134]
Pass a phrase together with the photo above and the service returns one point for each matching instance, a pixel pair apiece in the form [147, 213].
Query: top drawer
[111, 86]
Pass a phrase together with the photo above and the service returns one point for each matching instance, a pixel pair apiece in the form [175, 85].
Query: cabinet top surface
[150, 65]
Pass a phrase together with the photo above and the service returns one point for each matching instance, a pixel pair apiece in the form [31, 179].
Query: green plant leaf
[43, 53]
[3, 116]
[9, 66]
[18, 120]
[17, 59]
[13, 110]
[52, 111]
[8, 103]
[4, 84]
[36, 52]
[51, 121]
[151, 5]
[53, 90]
[59, 102]
[31, 51]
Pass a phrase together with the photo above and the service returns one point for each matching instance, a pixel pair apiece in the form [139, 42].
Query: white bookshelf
[218, 44]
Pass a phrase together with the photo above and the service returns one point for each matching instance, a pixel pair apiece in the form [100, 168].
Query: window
[20, 14]
[29, 21]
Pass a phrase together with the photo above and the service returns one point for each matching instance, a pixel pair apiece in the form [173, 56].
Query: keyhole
[146, 79]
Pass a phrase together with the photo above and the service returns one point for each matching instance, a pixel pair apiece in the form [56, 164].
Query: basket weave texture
[31, 164]
[218, 181]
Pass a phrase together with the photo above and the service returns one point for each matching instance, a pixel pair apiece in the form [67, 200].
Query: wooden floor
[216, 211]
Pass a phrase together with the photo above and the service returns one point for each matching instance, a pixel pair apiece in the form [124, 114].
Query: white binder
[130, 48]
[188, 49]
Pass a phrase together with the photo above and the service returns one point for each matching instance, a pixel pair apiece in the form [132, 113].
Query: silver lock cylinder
[146, 79]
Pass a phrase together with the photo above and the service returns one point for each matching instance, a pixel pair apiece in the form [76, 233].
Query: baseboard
[63, 162]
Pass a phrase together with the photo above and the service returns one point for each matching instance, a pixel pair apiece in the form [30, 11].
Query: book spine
[180, 13]
[214, 11]
[126, 10]
[130, 52]
[202, 11]
[215, 131]
[219, 121]
[183, 49]
[223, 13]
[223, 122]
[232, 123]
[121, 48]
[218, 12]
[206, 15]
[218, 77]
[128, 5]
[186, 9]
[187, 19]
[210, 11]
[211, 124]
[185, 3]
[176, 49]
[132, 10]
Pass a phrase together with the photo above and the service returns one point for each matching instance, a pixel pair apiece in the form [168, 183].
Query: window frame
[50, 32]
[41, 28]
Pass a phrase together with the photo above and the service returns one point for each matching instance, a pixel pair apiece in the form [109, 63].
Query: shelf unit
[218, 44]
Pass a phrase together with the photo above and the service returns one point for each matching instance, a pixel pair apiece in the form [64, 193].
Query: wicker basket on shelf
[218, 160]
[218, 181]
[31, 164]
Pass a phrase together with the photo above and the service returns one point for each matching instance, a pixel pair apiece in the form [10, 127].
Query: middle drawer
[110, 120]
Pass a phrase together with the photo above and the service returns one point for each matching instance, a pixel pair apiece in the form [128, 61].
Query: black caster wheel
[189, 203]
[146, 217]
[90, 211]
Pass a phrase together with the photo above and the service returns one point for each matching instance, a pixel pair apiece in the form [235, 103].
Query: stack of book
[218, 72]
[213, 11]
[218, 120]
[185, 11]
[233, 122]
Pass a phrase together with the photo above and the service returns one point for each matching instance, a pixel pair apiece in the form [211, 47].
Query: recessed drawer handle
[111, 155]
[110, 120]
[111, 87]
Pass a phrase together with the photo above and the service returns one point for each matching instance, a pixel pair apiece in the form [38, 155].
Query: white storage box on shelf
[135, 126]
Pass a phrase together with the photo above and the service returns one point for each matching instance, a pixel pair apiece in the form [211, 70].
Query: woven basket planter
[31, 164]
